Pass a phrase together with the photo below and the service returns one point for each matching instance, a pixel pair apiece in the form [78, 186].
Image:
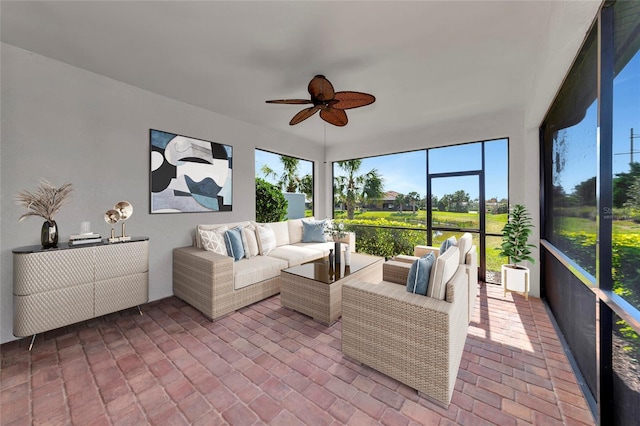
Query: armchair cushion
[441, 273]
[418, 279]
[464, 245]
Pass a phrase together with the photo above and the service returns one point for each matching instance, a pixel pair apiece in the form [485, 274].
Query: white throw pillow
[266, 239]
[251, 248]
[214, 240]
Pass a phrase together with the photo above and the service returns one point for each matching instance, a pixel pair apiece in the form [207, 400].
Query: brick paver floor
[266, 364]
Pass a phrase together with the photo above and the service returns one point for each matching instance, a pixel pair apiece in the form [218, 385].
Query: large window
[292, 176]
[383, 200]
[626, 152]
[397, 201]
[591, 204]
[469, 193]
[570, 131]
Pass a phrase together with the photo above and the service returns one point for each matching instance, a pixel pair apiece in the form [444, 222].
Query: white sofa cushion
[295, 230]
[251, 271]
[266, 239]
[296, 255]
[281, 231]
[213, 240]
[323, 247]
[443, 269]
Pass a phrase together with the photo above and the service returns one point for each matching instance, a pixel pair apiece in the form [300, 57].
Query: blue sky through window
[406, 172]
[273, 161]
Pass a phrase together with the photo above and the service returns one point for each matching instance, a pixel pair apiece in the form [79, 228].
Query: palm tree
[306, 187]
[400, 201]
[289, 180]
[353, 187]
[413, 198]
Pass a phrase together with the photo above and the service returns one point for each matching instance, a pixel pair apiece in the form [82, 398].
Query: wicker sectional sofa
[216, 285]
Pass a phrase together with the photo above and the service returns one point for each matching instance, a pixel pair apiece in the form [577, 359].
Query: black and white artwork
[189, 175]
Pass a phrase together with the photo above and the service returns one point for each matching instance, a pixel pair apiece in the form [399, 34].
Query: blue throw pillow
[313, 231]
[233, 241]
[418, 279]
[448, 243]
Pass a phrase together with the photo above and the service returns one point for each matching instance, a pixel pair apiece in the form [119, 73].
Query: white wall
[65, 124]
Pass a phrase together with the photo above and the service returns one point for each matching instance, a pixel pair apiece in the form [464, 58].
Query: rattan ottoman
[315, 289]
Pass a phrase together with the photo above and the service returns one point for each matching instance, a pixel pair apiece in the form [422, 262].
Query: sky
[581, 150]
[273, 161]
[406, 172]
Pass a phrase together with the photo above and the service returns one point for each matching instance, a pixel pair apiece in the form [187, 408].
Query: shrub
[271, 206]
[377, 237]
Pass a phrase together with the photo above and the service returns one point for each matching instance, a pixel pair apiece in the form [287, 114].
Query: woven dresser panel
[34, 314]
[120, 293]
[116, 260]
[46, 271]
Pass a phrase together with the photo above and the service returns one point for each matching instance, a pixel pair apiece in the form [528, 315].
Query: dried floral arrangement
[46, 201]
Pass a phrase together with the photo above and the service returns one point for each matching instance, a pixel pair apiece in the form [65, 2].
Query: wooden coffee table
[314, 289]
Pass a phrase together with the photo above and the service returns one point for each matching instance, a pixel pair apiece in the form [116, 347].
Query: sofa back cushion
[295, 230]
[281, 231]
[266, 238]
[213, 240]
[442, 271]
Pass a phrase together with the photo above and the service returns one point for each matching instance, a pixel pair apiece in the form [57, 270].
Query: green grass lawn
[494, 225]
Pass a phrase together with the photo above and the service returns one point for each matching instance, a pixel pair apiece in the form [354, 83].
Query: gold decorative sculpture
[112, 217]
[126, 210]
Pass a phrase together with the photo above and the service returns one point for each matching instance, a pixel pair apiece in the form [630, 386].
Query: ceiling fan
[330, 103]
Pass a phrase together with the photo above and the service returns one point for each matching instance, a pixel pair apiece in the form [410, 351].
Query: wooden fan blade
[321, 89]
[337, 117]
[290, 101]
[348, 100]
[303, 115]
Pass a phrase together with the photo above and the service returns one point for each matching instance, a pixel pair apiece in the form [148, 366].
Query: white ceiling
[426, 62]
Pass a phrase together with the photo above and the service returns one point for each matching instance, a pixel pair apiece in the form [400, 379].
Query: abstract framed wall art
[189, 175]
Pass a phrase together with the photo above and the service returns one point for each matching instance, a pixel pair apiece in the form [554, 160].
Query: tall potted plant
[516, 248]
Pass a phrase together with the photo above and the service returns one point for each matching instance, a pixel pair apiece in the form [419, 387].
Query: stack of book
[78, 239]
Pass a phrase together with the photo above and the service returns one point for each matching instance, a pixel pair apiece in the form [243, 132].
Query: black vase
[338, 247]
[49, 235]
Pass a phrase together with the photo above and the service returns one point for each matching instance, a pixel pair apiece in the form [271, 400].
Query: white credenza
[64, 285]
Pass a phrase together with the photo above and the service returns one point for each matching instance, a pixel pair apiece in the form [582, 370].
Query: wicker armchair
[468, 258]
[415, 339]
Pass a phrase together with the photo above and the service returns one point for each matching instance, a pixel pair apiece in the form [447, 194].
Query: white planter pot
[516, 280]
